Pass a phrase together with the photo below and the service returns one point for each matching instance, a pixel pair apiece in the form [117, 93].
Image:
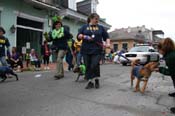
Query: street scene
[87, 58]
[39, 94]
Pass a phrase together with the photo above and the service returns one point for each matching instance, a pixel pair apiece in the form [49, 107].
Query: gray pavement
[38, 94]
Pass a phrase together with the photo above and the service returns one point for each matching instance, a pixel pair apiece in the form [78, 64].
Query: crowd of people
[14, 59]
[87, 48]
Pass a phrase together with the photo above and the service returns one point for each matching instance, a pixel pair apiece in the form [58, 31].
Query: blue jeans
[3, 61]
[69, 59]
[78, 58]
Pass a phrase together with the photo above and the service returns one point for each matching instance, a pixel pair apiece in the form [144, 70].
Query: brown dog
[142, 73]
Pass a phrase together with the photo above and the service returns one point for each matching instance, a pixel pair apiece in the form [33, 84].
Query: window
[125, 46]
[115, 47]
[29, 23]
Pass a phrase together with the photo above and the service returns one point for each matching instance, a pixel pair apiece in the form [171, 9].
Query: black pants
[36, 63]
[46, 60]
[15, 64]
[91, 62]
[173, 79]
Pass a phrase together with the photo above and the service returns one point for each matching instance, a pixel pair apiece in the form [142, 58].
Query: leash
[100, 44]
[103, 46]
[120, 55]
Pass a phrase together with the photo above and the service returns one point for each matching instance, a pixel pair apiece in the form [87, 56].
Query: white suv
[144, 53]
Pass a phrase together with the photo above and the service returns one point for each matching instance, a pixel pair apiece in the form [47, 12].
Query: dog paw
[142, 91]
[136, 90]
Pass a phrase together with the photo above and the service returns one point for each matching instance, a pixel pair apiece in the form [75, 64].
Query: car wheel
[124, 64]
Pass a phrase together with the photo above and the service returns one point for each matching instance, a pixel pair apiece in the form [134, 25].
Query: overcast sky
[156, 14]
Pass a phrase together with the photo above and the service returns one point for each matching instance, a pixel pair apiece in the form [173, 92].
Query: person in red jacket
[45, 52]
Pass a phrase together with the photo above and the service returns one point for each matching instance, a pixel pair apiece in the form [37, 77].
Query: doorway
[29, 35]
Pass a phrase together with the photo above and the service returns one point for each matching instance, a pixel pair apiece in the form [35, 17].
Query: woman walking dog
[93, 36]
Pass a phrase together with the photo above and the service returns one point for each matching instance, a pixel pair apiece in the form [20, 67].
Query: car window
[151, 50]
[139, 49]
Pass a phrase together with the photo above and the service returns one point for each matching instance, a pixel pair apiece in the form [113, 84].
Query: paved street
[38, 94]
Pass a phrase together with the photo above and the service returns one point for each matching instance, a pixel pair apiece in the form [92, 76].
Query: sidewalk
[52, 66]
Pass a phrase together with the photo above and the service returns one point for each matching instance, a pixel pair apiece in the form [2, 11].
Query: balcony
[44, 4]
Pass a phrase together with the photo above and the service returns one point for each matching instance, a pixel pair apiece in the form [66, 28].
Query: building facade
[126, 38]
[25, 21]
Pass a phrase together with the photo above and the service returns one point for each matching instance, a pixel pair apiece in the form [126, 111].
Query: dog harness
[136, 72]
[82, 68]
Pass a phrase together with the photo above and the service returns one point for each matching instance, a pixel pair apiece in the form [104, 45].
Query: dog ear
[154, 65]
[151, 65]
[77, 69]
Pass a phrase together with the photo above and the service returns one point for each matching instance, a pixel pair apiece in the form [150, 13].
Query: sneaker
[47, 68]
[89, 85]
[69, 68]
[97, 84]
[172, 109]
[58, 76]
[172, 94]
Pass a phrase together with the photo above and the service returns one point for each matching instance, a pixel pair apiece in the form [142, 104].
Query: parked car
[144, 53]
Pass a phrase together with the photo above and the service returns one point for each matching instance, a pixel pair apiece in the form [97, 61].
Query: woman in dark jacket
[93, 36]
[167, 48]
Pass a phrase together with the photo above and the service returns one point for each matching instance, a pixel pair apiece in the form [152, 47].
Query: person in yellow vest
[4, 44]
[77, 45]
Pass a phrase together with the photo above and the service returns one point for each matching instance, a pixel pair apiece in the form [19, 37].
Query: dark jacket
[95, 46]
[170, 62]
[4, 42]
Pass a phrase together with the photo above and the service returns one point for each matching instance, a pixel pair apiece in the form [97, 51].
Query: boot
[89, 85]
[172, 109]
[97, 84]
[172, 94]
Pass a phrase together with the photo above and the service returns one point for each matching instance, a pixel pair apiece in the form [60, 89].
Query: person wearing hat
[59, 37]
[4, 42]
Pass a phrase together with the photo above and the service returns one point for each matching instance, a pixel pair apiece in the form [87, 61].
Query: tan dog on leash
[142, 73]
